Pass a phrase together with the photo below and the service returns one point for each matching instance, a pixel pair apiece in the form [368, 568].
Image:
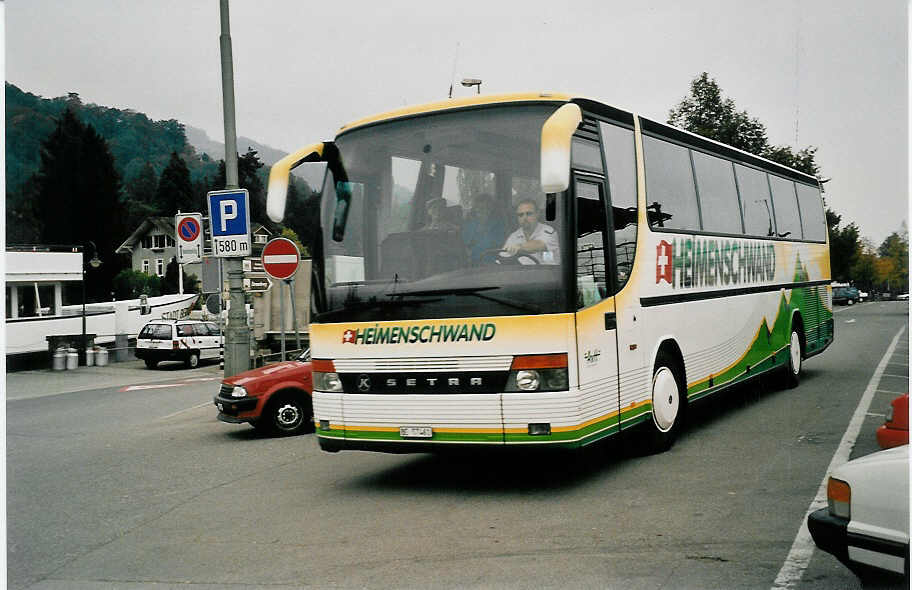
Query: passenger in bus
[483, 230]
[436, 210]
[532, 239]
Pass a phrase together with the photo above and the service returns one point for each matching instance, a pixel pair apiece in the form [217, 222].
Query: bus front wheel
[668, 403]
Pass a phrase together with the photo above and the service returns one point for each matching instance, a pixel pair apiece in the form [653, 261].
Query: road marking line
[156, 386]
[803, 547]
[185, 410]
[895, 376]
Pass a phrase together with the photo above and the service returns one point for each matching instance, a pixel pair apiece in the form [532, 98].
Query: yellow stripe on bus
[455, 103]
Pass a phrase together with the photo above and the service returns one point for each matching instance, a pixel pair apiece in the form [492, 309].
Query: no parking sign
[188, 227]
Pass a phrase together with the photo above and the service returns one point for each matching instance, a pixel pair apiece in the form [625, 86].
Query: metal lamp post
[95, 262]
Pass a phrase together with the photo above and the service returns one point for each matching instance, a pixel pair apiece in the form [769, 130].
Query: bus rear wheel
[668, 403]
[793, 367]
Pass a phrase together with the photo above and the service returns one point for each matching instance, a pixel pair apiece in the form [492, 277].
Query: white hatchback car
[866, 521]
[178, 340]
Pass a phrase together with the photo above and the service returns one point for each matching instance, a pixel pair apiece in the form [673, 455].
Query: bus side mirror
[550, 207]
[556, 135]
[343, 205]
[277, 191]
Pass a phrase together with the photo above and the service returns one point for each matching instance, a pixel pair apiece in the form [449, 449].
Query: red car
[895, 431]
[275, 399]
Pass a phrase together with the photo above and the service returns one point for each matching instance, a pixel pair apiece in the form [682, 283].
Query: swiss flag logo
[348, 337]
[664, 267]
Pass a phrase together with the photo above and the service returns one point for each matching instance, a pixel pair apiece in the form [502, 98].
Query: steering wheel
[504, 257]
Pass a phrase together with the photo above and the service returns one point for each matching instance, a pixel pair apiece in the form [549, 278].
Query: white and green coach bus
[544, 269]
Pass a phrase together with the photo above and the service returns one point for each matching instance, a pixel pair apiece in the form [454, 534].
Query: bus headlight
[527, 380]
[328, 382]
[538, 372]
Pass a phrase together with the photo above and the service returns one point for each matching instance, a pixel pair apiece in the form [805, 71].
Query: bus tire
[795, 354]
[669, 400]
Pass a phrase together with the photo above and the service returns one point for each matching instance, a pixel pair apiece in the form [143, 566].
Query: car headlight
[839, 498]
[329, 382]
[238, 391]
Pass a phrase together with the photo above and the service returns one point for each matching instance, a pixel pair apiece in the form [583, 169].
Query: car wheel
[793, 366]
[151, 364]
[288, 415]
[193, 360]
[668, 403]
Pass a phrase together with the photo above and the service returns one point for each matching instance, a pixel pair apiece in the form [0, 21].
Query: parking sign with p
[229, 222]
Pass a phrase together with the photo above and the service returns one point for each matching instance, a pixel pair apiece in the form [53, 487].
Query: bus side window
[670, 191]
[590, 244]
[620, 164]
[754, 191]
[813, 219]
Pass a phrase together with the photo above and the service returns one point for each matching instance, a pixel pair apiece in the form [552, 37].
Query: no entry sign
[281, 258]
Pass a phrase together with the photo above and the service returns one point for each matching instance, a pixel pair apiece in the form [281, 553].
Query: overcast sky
[828, 73]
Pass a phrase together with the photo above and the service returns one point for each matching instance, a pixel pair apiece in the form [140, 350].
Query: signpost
[280, 261]
[229, 226]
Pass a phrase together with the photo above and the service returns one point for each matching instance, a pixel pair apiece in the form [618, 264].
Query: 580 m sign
[230, 247]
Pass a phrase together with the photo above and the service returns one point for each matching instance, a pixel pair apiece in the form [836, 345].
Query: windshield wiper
[473, 291]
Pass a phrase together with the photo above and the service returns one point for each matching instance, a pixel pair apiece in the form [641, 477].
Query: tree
[175, 192]
[249, 166]
[864, 271]
[170, 283]
[290, 234]
[894, 251]
[77, 195]
[845, 248]
[707, 113]
[130, 284]
[140, 194]
[302, 213]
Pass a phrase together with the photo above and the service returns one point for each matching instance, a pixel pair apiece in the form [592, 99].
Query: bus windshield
[440, 216]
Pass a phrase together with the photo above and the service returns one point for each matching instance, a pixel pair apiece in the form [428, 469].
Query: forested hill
[132, 137]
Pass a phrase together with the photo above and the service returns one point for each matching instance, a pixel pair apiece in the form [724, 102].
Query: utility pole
[237, 336]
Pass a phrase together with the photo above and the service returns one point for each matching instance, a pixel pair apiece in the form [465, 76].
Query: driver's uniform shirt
[542, 232]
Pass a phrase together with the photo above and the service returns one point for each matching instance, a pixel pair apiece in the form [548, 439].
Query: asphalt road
[119, 487]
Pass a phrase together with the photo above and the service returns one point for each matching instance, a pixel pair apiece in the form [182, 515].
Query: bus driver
[532, 239]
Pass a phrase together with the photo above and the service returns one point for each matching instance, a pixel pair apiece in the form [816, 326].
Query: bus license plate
[416, 431]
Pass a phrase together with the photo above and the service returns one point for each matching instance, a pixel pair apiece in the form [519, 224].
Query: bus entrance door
[596, 318]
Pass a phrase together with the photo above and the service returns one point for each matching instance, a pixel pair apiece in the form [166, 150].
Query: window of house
[169, 241]
[160, 266]
[145, 266]
[146, 242]
[158, 241]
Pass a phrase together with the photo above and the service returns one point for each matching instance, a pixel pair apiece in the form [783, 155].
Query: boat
[37, 319]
